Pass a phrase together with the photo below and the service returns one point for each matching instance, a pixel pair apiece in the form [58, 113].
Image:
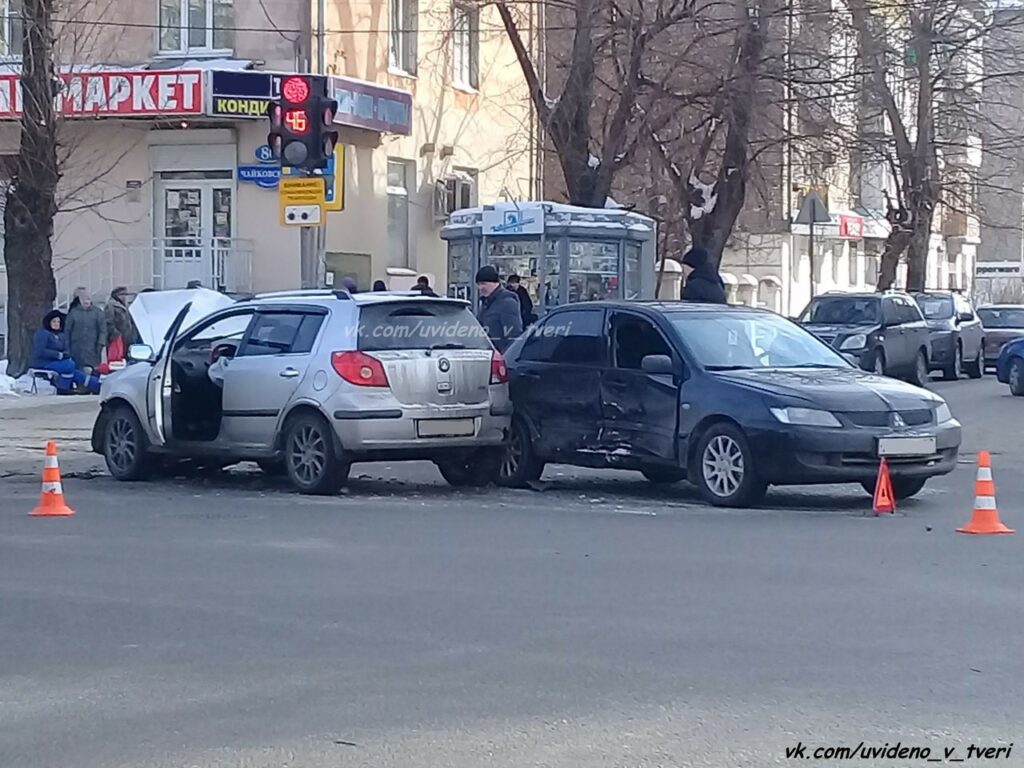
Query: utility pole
[319, 238]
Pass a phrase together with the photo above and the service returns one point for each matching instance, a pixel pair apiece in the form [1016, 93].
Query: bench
[35, 374]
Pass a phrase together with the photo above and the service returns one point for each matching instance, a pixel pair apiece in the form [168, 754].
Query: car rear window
[842, 310]
[1011, 317]
[419, 324]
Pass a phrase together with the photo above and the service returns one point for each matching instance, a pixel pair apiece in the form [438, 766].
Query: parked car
[308, 383]
[733, 398]
[880, 332]
[956, 335]
[1010, 366]
[1003, 323]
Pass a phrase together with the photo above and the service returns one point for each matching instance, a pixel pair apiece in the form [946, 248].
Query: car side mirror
[659, 365]
[965, 317]
[140, 353]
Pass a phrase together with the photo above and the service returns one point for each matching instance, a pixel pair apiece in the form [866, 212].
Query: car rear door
[971, 332]
[895, 338]
[639, 410]
[915, 330]
[263, 376]
[556, 381]
[436, 355]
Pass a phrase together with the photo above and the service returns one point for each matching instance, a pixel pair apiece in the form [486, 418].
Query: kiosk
[561, 253]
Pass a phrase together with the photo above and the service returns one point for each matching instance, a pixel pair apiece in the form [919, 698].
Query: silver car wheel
[308, 454]
[723, 466]
[879, 366]
[122, 443]
[513, 455]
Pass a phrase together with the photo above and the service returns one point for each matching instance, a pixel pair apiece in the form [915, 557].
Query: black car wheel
[664, 475]
[519, 464]
[878, 363]
[311, 457]
[919, 375]
[955, 369]
[126, 446]
[725, 472]
[903, 488]
[1016, 377]
[476, 470]
[976, 368]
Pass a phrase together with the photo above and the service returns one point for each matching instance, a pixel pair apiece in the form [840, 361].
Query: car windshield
[841, 310]
[935, 307]
[1009, 317]
[723, 340]
[419, 324]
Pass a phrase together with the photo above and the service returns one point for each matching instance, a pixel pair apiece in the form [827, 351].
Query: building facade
[166, 175]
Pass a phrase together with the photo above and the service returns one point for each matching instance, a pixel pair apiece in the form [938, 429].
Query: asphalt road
[599, 622]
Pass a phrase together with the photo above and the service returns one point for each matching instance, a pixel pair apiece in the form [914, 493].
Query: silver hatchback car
[309, 383]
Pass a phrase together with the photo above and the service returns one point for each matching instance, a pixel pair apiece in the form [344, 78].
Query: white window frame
[465, 47]
[10, 45]
[184, 47]
[403, 36]
[404, 192]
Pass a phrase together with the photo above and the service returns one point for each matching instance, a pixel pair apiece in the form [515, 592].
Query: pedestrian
[525, 302]
[499, 311]
[350, 285]
[86, 330]
[379, 286]
[703, 283]
[423, 286]
[193, 284]
[50, 352]
[121, 330]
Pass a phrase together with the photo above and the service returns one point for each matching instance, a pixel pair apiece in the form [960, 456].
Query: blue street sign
[264, 154]
[265, 176]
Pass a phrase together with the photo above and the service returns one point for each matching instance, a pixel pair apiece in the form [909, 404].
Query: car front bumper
[813, 455]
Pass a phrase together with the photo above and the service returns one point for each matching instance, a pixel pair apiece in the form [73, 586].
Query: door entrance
[194, 226]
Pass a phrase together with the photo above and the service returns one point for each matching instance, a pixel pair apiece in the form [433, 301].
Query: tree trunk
[32, 196]
[917, 254]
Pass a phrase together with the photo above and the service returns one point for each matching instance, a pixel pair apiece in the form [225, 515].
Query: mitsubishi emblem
[897, 420]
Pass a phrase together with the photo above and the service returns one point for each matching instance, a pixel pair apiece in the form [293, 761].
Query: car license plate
[906, 446]
[445, 427]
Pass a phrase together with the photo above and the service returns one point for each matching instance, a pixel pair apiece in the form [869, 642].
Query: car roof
[660, 307]
[858, 295]
[329, 298]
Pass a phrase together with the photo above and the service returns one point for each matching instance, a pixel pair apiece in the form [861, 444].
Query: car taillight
[360, 369]
[499, 373]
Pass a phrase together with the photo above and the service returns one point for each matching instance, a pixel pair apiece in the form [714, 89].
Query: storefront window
[460, 269]
[516, 257]
[593, 270]
[633, 276]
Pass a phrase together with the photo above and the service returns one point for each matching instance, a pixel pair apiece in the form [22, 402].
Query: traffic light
[301, 123]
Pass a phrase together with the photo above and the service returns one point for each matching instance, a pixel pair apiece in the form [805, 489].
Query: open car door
[161, 388]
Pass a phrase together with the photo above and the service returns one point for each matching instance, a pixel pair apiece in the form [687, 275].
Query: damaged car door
[640, 402]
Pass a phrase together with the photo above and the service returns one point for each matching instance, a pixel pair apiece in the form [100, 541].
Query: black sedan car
[734, 399]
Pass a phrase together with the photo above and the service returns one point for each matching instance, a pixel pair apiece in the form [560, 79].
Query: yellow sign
[334, 173]
[302, 190]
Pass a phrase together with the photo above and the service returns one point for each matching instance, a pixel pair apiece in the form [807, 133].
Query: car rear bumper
[399, 429]
[812, 455]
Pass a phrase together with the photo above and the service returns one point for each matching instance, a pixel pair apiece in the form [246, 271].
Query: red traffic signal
[297, 120]
[295, 90]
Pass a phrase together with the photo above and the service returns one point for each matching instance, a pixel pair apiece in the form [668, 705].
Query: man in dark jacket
[525, 302]
[703, 283]
[499, 309]
[423, 286]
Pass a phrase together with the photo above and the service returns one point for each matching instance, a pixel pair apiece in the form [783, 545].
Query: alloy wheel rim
[121, 444]
[308, 454]
[1015, 375]
[513, 455]
[958, 363]
[723, 466]
[879, 366]
[922, 369]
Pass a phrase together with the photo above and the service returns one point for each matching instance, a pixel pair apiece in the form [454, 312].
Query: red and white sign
[140, 93]
[851, 227]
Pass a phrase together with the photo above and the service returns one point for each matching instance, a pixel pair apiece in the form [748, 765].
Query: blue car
[1010, 366]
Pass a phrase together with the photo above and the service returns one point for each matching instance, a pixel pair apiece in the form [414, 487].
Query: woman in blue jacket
[50, 352]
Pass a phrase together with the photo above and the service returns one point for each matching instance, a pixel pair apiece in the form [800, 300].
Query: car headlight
[943, 414]
[805, 417]
[857, 341]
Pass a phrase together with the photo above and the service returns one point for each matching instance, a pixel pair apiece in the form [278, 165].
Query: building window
[190, 26]
[854, 266]
[404, 25]
[870, 269]
[401, 176]
[11, 31]
[466, 47]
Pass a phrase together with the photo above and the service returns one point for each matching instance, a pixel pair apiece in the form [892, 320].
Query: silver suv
[309, 383]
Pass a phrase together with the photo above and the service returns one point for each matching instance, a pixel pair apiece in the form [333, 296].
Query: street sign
[334, 173]
[301, 200]
[813, 211]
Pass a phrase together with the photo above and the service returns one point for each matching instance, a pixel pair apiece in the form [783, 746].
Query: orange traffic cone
[884, 501]
[986, 517]
[51, 502]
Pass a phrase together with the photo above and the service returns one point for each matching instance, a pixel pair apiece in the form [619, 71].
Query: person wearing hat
[499, 312]
[703, 283]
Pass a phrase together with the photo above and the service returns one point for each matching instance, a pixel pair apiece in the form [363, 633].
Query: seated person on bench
[50, 353]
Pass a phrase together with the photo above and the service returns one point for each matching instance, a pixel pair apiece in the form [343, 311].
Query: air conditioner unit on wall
[453, 193]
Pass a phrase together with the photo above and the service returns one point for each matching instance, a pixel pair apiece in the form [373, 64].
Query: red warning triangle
[885, 502]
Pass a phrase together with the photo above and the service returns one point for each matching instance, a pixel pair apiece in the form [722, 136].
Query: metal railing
[219, 263]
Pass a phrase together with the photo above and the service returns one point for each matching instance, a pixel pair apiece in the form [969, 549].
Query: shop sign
[116, 94]
[245, 95]
[851, 227]
[510, 222]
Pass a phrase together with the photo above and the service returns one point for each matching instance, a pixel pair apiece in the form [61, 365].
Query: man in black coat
[525, 302]
[499, 312]
[703, 283]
